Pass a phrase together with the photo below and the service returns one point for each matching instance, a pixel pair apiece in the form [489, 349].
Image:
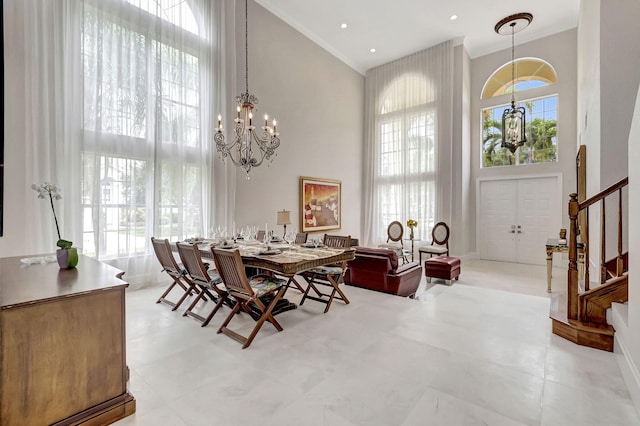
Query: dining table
[279, 257]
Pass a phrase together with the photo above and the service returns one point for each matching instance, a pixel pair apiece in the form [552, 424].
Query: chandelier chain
[250, 144]
[513, 64]
[246, 46]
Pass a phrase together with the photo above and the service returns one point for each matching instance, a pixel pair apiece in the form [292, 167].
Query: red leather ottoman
[443, 267]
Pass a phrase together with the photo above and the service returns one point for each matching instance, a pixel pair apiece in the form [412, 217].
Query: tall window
[532, 76]
[142, 150]
[405, 178]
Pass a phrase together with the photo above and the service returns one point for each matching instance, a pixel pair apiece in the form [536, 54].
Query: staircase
[579, 314]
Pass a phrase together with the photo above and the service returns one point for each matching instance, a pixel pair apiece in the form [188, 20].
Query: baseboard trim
[629, 370]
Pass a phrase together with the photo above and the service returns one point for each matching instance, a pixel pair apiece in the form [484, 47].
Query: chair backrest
[440, 234]
[301, 237]
[395, 231]
[231, 270]
[164, 254]
[260, 235]
[192, 261]
[337, 241]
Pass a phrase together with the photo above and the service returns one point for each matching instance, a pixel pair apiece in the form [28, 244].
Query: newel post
[572, 286]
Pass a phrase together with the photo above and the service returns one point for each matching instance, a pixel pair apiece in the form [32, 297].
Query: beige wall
[560, 51]
[319, 104]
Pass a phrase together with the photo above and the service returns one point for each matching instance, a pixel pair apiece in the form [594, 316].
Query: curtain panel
[122, 97]
[408, 143]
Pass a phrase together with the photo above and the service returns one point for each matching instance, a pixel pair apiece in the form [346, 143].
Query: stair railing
[575, 208]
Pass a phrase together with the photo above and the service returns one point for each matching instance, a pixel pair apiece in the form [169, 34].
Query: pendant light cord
[513, 65]
[246, 46]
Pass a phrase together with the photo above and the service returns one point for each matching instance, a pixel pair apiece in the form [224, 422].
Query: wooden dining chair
[395, 231]
[301, 238]
[206, 280]
[439, 242]
[179, 277]
[327, 275]
[260, 235]
[258, 296]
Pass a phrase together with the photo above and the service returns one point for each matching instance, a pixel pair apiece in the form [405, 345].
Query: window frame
[105, 145]
[532, 94]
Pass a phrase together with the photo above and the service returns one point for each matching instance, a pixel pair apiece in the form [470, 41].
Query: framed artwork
[320, 204]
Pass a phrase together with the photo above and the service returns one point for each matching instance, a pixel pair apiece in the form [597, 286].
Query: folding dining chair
[164, 254]
[206, 280]
[328, 275]
[260, 296]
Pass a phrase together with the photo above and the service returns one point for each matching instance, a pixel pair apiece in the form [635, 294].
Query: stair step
[593, 335]
[595, 302]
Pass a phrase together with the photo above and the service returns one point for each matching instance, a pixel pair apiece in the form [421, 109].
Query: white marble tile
[440, 409]
[570, 406]
[466, 354]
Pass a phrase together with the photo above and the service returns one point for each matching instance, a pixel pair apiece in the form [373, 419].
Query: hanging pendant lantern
[514, 120]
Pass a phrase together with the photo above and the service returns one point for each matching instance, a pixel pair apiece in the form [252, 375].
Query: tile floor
[478, 352]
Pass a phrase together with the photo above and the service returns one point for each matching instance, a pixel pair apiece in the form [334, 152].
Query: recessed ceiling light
[372, 50]
[453, 17]
[343, 26]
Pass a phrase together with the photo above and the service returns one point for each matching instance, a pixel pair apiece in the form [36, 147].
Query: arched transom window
[534, 89]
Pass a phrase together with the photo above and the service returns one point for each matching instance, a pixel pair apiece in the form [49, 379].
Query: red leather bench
[443, 267]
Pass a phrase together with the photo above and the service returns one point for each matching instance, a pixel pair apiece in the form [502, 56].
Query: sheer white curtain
[408, 152]
[124, 95]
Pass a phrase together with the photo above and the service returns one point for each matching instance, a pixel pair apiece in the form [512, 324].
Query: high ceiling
[396, 28]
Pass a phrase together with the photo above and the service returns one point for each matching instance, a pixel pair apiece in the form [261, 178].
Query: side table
[412, 240]
[552, 246]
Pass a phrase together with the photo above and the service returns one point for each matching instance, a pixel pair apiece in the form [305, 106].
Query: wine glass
[290, 237]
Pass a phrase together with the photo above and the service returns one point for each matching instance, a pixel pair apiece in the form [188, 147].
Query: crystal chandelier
[249, 147]
[513, 118]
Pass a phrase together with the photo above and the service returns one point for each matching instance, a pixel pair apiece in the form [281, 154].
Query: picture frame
[320, 204]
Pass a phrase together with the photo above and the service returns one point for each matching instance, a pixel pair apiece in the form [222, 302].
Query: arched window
[533, 87]
[177, 12]
[142, 138]
[406, 169]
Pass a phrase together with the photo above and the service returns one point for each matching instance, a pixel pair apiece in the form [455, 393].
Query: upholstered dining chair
[328, 275]
[301, 238]
[439, 242]
[395, 230]
[207, 281]
[258, 295]
[162, 248]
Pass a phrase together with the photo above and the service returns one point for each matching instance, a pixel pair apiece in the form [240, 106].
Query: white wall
[619, 76]
[17, 234]
[319, 104]
[627, 331]
[560, 51]
[608, 64]
[588, 98]
[462, 239]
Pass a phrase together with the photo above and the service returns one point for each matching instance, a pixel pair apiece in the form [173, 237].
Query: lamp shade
[283, 217]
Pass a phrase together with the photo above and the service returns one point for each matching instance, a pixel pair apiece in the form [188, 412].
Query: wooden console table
[552, 246]
[63, 358]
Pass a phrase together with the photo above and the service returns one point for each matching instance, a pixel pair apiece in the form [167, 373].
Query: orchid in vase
[67, 255]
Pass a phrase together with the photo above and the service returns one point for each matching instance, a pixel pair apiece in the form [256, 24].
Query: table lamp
[284, 219]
